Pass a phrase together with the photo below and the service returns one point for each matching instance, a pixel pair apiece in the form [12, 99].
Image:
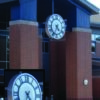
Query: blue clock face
[55, 26]
[26, 87]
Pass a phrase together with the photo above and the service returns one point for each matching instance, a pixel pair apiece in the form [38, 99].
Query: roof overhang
[6, 1]
[95, 21]
[87, 5]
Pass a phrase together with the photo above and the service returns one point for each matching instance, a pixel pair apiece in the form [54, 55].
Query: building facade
[67, 62]
[95, 26]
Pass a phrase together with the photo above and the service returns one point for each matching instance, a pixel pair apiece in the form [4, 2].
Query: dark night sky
[38, 74]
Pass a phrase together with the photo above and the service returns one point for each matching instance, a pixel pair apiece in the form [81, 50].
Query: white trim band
[23, 22]
[78, 29]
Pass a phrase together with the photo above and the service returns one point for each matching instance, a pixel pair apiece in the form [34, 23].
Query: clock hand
[57, 27]
[55, 30]
[27, 94]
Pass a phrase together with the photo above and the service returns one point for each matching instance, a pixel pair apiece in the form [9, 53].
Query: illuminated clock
[24, 87]
[55, 26]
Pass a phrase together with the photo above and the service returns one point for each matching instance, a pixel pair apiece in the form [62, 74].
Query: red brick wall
[96, 88]
[25, 47]
[70, 64]
[58, 69]
[78, 66]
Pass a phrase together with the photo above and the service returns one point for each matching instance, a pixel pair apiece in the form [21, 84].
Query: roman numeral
[51, 19]
[56, 36]
[26, 78]
[49, 23]
[16, 99]
[49, 26]
[15, 93]
[50, 30]
[56, 16]
[21, 81]
[16, 84]
[38, 96]
[31, 82]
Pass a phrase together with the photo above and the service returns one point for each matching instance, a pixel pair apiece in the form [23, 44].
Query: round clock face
[55, 26]
[26, 87]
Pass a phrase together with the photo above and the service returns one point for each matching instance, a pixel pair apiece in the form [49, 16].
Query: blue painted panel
[28, 9]
[1, 72]
[83, 19]
[71, 18]
[68, 11]
[15, 12]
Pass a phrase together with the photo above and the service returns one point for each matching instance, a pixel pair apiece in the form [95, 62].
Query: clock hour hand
[57, 27]
[27, 94]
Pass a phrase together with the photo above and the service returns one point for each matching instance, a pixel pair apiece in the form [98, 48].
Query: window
[98, 38]
[4, 50]
[93, 46]
[94, 38]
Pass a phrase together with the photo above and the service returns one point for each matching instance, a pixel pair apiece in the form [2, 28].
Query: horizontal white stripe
[78, 29]
[23, 22]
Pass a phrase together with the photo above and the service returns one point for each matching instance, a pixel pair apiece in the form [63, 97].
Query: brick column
[96, 87]
[58, 69]
[78, 64]
[25, 45]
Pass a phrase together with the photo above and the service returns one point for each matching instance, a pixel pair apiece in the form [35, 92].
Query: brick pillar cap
[78, 29]
[23, 22]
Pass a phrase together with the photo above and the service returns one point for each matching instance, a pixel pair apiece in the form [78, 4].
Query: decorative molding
[23, 22]
[77, 29]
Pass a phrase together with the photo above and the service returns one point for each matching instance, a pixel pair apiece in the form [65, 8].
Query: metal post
[52, 6]
[51, 97]
[6, 52]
